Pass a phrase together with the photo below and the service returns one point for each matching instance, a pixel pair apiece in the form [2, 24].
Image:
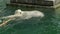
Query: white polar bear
[22, 15]
[25, 14]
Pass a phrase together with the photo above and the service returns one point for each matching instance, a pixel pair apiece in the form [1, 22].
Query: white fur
[26, 14]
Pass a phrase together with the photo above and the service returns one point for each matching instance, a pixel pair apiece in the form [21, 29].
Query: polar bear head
[18, 11]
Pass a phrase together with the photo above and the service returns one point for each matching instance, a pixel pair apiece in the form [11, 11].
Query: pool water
[49, 24]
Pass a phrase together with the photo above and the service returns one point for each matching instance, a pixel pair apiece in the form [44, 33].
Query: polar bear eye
[20, 12]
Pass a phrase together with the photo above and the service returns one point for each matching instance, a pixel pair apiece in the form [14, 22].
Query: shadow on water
[45, 25]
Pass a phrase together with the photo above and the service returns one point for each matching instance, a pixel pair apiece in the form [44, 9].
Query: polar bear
[25, 14]
[28, 14]
[22, 15]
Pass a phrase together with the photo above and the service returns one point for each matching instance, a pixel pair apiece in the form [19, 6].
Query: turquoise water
[49, 24]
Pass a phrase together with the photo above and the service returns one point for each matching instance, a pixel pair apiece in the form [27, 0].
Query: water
[49, 24]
